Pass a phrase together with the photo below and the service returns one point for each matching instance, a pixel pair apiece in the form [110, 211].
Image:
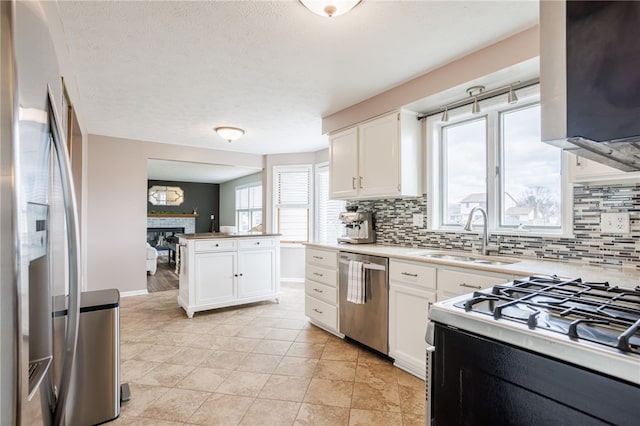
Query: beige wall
[516, 49]
[116, 205]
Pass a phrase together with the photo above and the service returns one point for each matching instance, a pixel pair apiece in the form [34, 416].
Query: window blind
[327, 211]
[292, 189]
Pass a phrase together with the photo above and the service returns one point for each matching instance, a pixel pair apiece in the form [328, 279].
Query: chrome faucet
[485, 248]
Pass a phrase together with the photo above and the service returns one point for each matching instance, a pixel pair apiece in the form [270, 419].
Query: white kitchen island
[219, 270]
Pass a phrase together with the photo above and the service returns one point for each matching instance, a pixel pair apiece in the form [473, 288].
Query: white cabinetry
[412, 290]
[583, 171]
[215, 277]
[221, 272]
[413, 287]
[454, 282]
[378, 158]
[321, 288]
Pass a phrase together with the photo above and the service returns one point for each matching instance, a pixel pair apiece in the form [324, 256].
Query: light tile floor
[261, 364]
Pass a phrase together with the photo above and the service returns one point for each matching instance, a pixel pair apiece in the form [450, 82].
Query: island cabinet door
[256, 273]
[215, 277]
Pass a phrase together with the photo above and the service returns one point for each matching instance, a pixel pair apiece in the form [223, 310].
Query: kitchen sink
[463, 258]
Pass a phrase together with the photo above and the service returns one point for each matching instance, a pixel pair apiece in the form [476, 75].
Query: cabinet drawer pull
[361, 183]
[409, 274]
[317, 274]
[257, 243]
[318, 257]
[318, 291]
[477, 287]
[217, 245]
[316, 310]
[353, 182]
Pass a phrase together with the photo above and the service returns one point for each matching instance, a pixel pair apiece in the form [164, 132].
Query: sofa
[152, 259]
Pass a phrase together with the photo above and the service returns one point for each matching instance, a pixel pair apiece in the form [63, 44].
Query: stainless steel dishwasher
[367, 323]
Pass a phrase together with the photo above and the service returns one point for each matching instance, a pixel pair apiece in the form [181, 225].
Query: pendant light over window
[228, 133]
[329, 8]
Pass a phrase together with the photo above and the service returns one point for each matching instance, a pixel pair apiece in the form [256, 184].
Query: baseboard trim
[133, 293]
[292, 280]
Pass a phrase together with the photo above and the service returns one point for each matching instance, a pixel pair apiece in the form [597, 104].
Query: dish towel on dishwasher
[355, 283]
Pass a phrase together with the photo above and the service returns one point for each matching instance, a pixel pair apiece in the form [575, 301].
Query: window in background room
[292, 204]
[328, 227]
[531, 195]
[249, 207]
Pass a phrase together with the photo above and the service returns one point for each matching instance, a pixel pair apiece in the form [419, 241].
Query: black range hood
[590, 79]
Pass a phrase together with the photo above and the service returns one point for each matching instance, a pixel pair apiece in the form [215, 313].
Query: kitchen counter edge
[210, 235]
[615, 275]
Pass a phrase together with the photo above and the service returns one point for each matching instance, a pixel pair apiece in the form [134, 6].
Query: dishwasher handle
[371, 266]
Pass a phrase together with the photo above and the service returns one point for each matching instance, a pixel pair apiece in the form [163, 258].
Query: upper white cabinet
[378, 158]
[584, 171]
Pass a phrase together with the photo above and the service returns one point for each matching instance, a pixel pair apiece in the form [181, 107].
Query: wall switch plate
[418, 219]
[614, 223]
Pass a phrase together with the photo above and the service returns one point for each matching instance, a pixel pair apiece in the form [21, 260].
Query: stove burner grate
[596, 312]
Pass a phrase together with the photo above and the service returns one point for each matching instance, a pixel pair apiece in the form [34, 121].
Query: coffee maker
[357, 227]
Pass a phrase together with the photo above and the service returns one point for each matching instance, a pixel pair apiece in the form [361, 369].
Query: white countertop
[523, 266]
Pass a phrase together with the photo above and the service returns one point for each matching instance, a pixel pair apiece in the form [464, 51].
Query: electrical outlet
[614, 223]
[418, 219]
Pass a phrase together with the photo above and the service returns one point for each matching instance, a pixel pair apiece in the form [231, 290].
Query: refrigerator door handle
[73, 239]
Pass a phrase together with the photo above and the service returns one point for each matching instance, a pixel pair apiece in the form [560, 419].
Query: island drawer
[215, 245]
[324, 258]
[245, 243]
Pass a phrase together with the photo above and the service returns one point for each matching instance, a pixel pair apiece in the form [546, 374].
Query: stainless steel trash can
[95, 391]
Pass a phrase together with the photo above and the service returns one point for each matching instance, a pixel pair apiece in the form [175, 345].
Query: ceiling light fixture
[445, 114]
[329, 8]
[474, 91]
[512, 98]
[228, 133]
[478, 94]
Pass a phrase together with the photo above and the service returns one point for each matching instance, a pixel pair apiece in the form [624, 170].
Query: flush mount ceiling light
[474, 91]
[228, 133]
[329, 8]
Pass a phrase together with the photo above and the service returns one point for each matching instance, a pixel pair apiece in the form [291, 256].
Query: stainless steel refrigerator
[39, 237]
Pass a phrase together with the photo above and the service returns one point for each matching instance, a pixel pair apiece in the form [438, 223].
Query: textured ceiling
[169, 72]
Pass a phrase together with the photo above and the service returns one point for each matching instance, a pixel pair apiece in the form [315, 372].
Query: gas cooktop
[590, 324]
[596, 312]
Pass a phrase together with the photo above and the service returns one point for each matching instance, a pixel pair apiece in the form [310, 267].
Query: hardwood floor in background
[165, 277]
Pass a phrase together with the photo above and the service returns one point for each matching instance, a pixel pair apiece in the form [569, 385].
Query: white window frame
[319, 167]
[250, 210]
[310, 206]
[491, 108]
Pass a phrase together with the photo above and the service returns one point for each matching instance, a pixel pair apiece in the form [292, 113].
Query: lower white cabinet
[452, 282]
[321, 288]
[255, 272]
[216, 273]
[412, 290]
[215, 277]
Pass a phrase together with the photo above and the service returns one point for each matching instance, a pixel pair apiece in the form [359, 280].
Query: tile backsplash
[588, 245]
